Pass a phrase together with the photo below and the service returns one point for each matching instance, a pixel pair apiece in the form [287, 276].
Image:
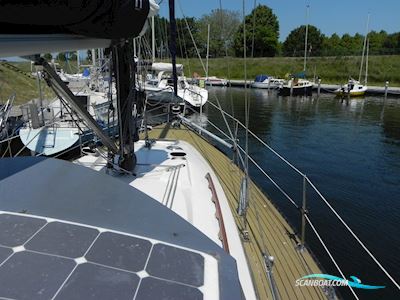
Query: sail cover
[45, 26]
[102, 19]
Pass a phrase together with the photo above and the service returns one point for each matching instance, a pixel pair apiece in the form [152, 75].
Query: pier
[327, 88]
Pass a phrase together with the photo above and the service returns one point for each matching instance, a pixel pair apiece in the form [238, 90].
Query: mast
[124, 72]
[93, 57]
[366, 64]
[306, 39]
[153, 40]
[134, 47]
[364, 46]
[78, 61]
[172, 44]
[208, 49]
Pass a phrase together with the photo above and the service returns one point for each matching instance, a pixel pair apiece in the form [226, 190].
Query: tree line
[262, 37]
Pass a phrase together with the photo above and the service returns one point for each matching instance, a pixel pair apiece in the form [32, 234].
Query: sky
[330, 16]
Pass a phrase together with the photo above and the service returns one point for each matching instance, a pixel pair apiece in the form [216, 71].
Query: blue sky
[330, 16]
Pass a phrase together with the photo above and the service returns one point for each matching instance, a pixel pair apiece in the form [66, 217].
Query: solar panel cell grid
[48, 259]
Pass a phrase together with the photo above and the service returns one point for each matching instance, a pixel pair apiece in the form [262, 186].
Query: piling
[319, 87]
[291, 88]
[386, 88]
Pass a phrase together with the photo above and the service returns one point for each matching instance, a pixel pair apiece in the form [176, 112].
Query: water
[351, 151]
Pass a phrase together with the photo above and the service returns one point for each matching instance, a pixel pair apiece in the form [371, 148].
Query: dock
[269, 232]
[328, 88]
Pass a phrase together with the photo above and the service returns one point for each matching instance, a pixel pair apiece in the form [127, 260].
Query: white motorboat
[267, 82]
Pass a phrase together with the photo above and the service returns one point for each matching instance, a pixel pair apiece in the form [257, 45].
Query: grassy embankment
[335, 70]
[25, 88]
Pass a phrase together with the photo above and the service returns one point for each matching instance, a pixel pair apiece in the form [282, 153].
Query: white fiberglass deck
[174, 173]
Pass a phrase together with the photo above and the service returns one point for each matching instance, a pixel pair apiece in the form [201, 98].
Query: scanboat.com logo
[330, 280]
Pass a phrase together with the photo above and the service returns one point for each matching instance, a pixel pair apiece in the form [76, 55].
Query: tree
[294, 43]
[61, 56]
[392, 43]
[265, 30]
[376, 41]
[48, 56]
[185, 46]
[331, 46]
[223, 26]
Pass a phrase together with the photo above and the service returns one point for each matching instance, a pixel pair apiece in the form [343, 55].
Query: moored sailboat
[354, 88]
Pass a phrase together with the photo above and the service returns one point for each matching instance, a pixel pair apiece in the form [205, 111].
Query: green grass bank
[333, 70]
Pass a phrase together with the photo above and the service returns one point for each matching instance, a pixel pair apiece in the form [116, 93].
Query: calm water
[351, 151]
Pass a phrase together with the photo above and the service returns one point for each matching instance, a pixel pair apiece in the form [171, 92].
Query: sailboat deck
[266, 226]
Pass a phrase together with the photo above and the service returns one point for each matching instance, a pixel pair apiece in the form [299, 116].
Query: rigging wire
[191, 36]
[246, 101]
[254, 29]
[184, 46]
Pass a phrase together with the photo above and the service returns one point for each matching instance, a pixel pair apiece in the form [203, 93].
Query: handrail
[303, 209]
[222, 234]
[257, 138]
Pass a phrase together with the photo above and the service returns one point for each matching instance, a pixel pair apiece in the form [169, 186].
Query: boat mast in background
[153, 40]
[93, 58]
[172, 47]
[306, 39]
[208, 49]
[366, 64]
[78, 60]
[364, 47]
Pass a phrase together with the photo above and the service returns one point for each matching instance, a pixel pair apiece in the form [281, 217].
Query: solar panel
[4, 253]
[53, 259]
[29, 275]
[152, 288]
[63, 239]
[118, 251]
[187, 269]
[16, 230]
[91, 281]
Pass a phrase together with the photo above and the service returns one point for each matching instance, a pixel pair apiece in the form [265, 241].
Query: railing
[306, 182]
